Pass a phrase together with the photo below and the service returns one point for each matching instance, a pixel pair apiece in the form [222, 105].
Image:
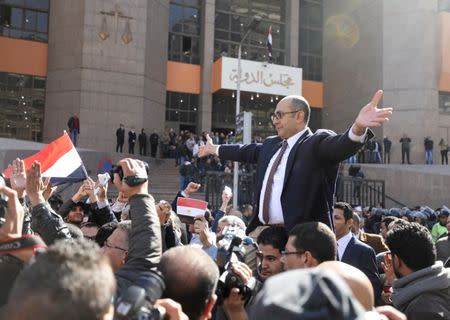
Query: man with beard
[422, 288]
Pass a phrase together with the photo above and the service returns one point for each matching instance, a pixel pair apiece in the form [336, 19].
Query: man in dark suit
[353, 251]
[296, 170]
[120, 135]
[374, 241]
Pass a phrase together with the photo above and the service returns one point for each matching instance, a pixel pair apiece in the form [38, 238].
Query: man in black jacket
[120, 135]
[154, 140]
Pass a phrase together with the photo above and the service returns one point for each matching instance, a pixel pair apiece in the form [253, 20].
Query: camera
[138, 301]
[231, 250]
[3, 201]
[132, 181]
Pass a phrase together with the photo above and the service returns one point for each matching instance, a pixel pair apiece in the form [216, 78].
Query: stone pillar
[411, 69]
[206, 61]
[106, 82]
[292, 32]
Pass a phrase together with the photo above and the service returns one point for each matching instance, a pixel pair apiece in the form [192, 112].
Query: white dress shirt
[342, 244]
[275, 209]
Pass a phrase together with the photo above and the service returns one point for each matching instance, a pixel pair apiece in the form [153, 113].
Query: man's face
[443, 220]
[448, 224]
[219, 233]
[341, 226]
[115, 248]
[290, 259]
[270, 261]
[289, 124]
[76, 215]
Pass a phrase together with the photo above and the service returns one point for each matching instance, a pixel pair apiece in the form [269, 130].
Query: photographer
[144, 249]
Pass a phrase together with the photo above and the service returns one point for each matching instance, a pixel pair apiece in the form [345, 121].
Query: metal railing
[356, 191]
[361, 192]
[215, 181]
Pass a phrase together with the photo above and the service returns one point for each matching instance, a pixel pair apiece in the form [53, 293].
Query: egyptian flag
[191, 207]
[269, 44]
[60, 161]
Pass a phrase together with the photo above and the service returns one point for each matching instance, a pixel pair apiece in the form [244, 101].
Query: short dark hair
[347, 208]
[300, 104]
[412, 243]
[72, 280]
[198, 274]
[317, 238]
[274, 236]
[105, 231]
[387, 220]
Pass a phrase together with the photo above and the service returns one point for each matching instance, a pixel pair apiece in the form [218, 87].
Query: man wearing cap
[443, 245]
[296, 170]
[440, 228]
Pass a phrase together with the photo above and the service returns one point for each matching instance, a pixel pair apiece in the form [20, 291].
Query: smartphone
[3, 201]
[103, 179]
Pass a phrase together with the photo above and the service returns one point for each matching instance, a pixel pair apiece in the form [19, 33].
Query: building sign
[261, 77]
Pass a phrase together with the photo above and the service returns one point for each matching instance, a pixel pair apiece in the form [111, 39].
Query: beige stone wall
[391, 45]
[414, 185]
[106, 82]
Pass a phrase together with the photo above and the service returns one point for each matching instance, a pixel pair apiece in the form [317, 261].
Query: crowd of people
[92, 251]
[293, 254]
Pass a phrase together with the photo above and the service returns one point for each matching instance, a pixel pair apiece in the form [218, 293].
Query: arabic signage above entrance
[261, 77]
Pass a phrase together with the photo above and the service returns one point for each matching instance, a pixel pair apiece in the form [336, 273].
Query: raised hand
[371, 116]
[208, 149]
[131, 167]
[12, 228]
[191, 188]
[35, 186]
[49, 190]
[18, 176]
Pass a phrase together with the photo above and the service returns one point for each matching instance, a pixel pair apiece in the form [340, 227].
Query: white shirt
[275, 209]
[342, 244]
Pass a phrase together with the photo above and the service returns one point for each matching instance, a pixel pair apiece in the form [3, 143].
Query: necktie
[268, 191]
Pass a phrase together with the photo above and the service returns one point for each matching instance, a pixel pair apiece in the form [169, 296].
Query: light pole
[251, 26]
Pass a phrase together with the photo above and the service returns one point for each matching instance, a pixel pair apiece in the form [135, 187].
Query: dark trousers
[444, 156]
[405, 152]
[387, 157]
[153, 150]
[119, 146]
[143, 150]
[131, 147]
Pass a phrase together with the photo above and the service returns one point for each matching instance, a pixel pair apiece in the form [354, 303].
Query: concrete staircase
[164, 181]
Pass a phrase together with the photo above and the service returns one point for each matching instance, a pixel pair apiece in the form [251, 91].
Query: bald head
[198, 274]
[355, 279]
[299, 103]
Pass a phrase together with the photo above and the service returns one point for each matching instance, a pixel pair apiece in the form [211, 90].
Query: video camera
[138, 301]
[132, 181]
[231, 250]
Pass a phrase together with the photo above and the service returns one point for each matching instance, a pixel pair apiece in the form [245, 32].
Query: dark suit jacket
[310, 176]
[373, 240]
[361, 256]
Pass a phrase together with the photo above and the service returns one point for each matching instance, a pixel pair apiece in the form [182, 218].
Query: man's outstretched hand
[208, 149]
[371, 116]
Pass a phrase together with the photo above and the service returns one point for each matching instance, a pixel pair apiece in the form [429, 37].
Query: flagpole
[252, 25]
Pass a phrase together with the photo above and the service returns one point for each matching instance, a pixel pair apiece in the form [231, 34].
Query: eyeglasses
[106, 244]
[286, 253]
[278, 115]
